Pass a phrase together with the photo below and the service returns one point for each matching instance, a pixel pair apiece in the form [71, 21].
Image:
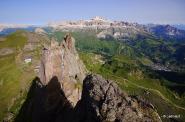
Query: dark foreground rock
[45, 103]
[102, 101]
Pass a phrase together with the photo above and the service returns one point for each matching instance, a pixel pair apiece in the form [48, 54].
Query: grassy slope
[10, 76]
[15, 76]
[87, 41]
[14, 40]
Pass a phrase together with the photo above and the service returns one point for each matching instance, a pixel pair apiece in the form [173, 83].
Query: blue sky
[44, 11]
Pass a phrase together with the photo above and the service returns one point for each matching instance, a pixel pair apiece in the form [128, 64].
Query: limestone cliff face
[62, 61]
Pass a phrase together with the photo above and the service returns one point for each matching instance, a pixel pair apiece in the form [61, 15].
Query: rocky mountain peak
[69, 42]
[40, 31]
[98, 18]
[61, 60]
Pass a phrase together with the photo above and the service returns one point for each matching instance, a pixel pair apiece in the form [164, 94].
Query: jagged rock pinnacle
[63, 61]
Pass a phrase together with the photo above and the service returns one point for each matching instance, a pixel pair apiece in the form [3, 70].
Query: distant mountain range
[166, 32]
[6, 29]
[109, 29]
[179, 26]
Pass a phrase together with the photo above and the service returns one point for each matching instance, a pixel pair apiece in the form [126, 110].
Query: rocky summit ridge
[94, 23]
[58, 95]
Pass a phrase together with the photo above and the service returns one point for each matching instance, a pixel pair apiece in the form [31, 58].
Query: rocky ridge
[166, 31]
[57, 96]
[103, 101]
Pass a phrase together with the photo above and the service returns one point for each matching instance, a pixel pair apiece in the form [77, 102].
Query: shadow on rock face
[45, 103]
[102, 101]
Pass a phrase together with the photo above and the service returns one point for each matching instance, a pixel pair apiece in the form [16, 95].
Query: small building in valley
[27, 60]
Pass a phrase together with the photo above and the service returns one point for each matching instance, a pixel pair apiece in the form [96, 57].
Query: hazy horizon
[41, 12]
